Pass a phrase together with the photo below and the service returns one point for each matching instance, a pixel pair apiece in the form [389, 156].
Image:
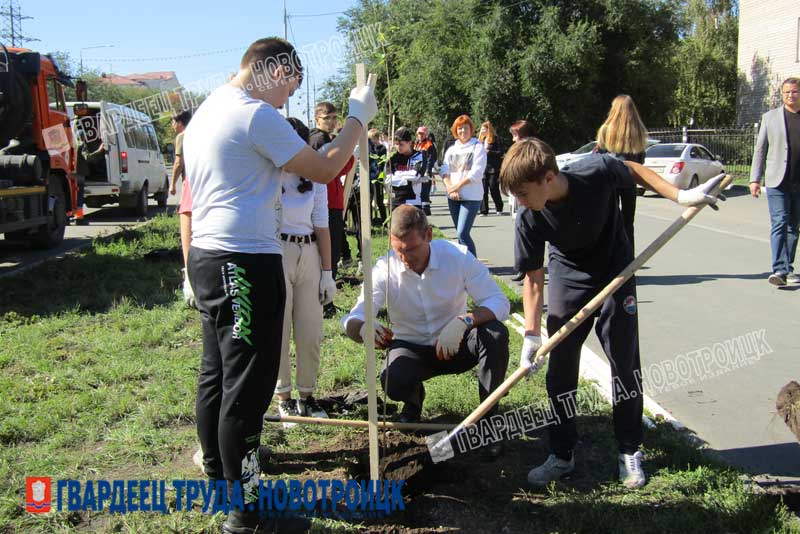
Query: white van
[134, 167]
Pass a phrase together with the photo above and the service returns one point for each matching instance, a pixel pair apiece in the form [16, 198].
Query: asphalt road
[701, 297]
[16, 257]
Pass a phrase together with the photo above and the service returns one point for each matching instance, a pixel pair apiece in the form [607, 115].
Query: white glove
[327, 288]
[450, 338]
[382, 334]
[701, 194]
[188, 293]
[363, 107]
[528, 357]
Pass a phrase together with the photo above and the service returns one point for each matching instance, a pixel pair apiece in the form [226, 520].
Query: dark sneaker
[309, 407]
[241, 522]
[777, 279]
[519, 277]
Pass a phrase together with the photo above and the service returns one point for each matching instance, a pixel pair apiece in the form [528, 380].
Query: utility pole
[13, 30]
[286, 37]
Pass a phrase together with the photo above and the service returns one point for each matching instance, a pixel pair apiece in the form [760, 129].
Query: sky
[144, 29]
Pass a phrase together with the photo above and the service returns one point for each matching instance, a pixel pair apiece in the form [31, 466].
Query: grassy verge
[98, 367]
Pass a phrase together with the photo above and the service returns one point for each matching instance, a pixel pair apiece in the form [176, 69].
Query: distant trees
[558, 64]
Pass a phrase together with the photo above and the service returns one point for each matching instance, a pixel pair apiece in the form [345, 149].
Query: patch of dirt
[467, 493]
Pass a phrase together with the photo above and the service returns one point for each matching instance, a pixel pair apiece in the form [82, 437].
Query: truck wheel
[141, 202]
[52, 234]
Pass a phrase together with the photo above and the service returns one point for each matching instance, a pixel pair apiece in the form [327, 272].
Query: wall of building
[769, 52]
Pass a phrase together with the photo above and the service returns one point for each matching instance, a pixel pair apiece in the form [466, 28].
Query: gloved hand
[362, 103]
[188, 293]
[450, 338]
[701, 194]
[383, 336]
[528, 359]
[327, 288]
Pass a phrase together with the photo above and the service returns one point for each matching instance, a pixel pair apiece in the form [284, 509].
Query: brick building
[769, 52]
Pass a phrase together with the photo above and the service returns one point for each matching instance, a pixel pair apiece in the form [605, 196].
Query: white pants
[303, 317]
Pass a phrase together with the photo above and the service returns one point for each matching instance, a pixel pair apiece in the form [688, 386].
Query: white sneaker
[631, 473]
[793, 278]
[197, 459]
[777, 279]
[552, 469]
[288, 408]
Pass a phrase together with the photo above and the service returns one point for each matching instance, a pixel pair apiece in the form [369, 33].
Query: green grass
[98, 370]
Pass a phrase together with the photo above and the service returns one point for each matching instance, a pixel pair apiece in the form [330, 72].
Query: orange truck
[38, 189]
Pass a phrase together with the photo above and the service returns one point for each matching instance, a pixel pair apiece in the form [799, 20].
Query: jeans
[463, 213]
[784, 214]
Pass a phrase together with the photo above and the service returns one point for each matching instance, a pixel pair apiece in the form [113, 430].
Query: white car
[684, 165]
[575, 155]
[585, 151]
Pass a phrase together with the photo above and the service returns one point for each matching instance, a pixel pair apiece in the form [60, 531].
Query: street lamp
[91, 48]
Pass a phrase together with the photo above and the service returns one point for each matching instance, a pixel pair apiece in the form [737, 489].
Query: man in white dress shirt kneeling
[432, 332]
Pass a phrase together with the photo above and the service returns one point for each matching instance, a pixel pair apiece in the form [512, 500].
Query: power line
[311, 15]
[13, 29]
[166, 58]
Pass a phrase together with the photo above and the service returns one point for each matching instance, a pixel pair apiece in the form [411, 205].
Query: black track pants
[241, 298]
[618, 331]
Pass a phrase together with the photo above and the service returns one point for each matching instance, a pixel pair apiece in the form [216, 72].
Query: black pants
[425, 192]
[241, 298]
[336, 228]
[618, 330]
[377, 196]
[627, 205]
[408, 365]
[491, 184]
[354, 214]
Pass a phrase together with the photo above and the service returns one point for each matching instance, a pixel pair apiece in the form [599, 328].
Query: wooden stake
[369, 313]
[357, 424]
[583, 314]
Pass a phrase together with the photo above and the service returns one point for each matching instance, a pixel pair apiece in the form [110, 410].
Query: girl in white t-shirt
[306, 244]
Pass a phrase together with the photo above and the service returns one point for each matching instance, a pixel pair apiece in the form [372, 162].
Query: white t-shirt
[466, 161]
[233, 149]
[303, 211]
[420, 306]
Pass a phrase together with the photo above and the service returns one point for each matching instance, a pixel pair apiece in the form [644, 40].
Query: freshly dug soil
[788, 406]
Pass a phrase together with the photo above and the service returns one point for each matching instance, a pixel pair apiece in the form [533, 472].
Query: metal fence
[734, 146]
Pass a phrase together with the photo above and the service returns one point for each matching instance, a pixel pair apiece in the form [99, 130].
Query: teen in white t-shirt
[234, 150]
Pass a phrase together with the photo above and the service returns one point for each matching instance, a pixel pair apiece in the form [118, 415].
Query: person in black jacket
[407, 170]
[491, 176]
